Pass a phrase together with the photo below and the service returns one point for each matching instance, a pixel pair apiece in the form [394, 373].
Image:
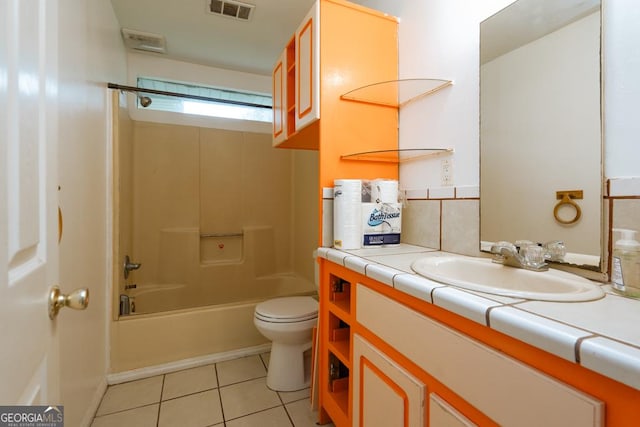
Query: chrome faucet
[129, 266]
[529, 257]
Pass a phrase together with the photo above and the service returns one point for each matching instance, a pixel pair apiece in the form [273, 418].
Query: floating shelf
[396, 156]
[396, 93]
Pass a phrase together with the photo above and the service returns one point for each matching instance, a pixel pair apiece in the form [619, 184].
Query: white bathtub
[165, 330]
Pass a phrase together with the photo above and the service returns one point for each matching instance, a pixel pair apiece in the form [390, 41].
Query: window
[214, 103]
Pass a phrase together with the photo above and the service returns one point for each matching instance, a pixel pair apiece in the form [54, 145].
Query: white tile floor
[231, 393]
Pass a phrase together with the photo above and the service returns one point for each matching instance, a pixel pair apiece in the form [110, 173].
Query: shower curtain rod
[183, 95]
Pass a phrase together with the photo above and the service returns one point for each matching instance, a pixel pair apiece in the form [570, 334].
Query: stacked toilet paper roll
[347, 213]
[384, 191]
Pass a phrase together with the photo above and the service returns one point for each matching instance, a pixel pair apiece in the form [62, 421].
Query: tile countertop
[601, 335]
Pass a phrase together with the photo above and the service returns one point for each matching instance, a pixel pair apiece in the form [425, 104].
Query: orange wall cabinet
[296, 86]
[338, 47]
[387, 358]
[307, 75]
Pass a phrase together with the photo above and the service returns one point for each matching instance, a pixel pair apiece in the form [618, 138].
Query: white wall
[90, 54]
[154, 66]
[440, 39]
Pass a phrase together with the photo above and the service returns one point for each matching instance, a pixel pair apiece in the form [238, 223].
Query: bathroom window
[239, 105]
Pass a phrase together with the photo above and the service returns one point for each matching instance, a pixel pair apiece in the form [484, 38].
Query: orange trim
[307, 109]
[278, 110]
[364, 362]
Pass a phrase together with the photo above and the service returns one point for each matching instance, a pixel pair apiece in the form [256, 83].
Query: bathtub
[171, 325]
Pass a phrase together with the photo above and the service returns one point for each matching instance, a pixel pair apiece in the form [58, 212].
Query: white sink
[483, 275]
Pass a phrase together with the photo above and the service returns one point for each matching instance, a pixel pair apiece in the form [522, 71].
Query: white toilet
[288, 323]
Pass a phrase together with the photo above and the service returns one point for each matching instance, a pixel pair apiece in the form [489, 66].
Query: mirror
[540, 127]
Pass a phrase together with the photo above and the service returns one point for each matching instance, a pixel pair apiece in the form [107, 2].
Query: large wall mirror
[541, 127]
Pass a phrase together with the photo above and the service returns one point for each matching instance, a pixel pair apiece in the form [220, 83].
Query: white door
[28, 201]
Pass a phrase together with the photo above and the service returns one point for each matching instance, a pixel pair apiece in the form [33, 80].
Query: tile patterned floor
[231, 393]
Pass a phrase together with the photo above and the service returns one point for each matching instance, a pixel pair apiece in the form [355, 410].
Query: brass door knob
[78, 300]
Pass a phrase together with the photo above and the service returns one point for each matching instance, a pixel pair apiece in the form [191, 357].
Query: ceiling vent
[148, 42]
[231, 9]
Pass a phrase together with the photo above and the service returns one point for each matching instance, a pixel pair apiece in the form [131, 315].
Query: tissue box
[381, 223]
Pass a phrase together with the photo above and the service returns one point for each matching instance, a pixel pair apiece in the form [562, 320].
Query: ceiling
[194, 35]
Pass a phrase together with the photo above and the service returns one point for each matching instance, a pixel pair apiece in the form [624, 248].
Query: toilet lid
[288, 309]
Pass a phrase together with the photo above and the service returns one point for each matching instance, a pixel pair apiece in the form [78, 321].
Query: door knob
[78, 300]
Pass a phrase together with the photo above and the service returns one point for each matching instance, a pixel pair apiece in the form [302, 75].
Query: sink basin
[483, 275]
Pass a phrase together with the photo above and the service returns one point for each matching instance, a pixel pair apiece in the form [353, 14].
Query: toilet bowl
[288, 323]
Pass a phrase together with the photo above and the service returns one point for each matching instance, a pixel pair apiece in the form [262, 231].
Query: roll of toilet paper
[384, 191]
[347, 213]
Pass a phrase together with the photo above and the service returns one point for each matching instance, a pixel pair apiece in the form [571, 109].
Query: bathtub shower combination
[198, 305]
[231, 268]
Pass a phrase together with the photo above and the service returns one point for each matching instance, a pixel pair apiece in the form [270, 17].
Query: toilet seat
[287, 310]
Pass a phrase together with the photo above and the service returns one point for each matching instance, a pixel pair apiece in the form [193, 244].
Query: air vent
[139, 40]
[231, 9]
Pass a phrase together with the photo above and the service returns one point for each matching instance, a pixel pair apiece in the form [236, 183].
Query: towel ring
[566, 198]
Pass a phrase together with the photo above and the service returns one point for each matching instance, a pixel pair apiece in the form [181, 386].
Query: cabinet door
[308, 69]
[441, 414]
[384, 394]
[279, 96]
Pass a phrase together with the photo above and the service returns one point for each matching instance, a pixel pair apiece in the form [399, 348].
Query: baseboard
[165, 368]
[90, 413]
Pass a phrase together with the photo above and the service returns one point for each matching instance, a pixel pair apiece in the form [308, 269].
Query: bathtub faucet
[129, 266]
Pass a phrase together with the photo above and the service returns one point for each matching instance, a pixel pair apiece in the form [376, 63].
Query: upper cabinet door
[279, 97]
[308, 69]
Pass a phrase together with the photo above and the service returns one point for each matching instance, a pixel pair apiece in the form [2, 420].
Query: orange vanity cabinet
[386, 358]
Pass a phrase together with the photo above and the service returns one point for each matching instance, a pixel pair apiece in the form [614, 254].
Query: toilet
[288, 322]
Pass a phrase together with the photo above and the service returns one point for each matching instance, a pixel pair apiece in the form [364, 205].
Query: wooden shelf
[340, 349]
[338, 407]
[340, 298]
[340, 309]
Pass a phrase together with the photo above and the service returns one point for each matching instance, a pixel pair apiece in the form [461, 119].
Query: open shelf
[338, 406]
[396, 156]
[340, 297]
[396, 93]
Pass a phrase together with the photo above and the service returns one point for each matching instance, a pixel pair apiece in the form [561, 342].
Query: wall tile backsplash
[448, 218]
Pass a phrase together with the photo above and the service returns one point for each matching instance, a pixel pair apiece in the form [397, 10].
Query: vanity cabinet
[386, 360]
[384, 393]
[504, 389]
[441, 414]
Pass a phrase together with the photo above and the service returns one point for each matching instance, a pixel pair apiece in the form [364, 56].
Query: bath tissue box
[381, 223]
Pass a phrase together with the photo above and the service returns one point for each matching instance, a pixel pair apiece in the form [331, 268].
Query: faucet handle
[534, 255]
[555, 250]
[497, 247]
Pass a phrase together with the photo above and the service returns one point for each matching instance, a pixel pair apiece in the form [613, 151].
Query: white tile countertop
[601, 335]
